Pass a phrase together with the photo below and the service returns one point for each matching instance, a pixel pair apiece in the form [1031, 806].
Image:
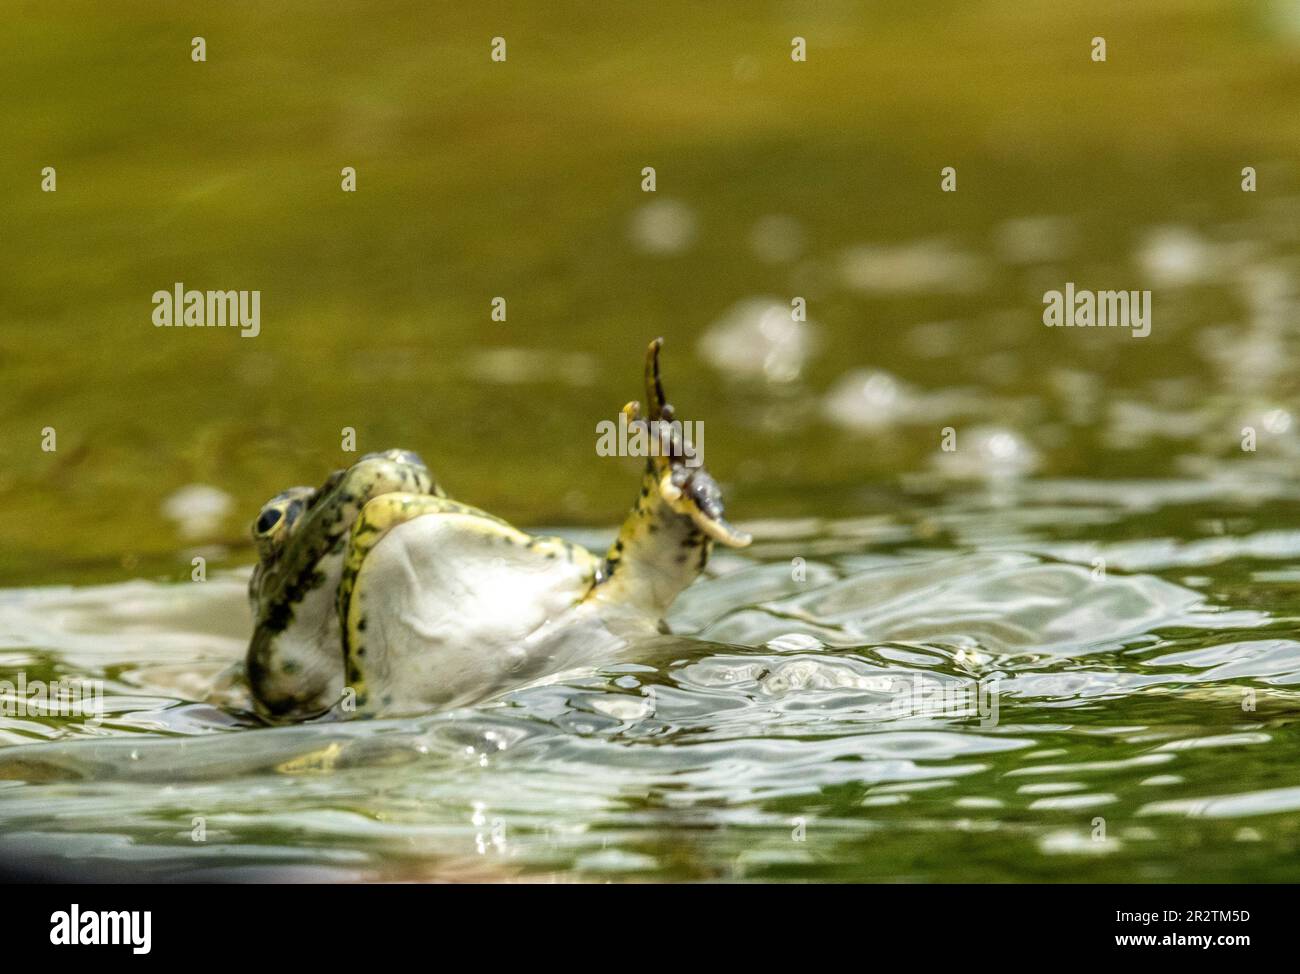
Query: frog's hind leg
[666, 539]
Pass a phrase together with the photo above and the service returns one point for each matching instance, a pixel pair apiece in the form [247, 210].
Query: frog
[378, 594]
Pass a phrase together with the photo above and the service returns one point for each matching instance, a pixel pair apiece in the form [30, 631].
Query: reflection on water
[1144, 720]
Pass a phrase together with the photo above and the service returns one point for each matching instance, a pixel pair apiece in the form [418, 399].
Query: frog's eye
[278, 520]
[269, 519]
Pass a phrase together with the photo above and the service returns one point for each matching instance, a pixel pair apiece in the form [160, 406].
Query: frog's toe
[683, 483]
[694, 492]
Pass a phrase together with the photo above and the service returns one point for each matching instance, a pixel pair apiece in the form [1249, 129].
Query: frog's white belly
[457, 608]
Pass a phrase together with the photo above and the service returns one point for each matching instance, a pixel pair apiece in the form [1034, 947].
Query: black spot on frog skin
[277, 616]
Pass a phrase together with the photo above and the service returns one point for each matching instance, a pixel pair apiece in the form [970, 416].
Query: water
[1145, 724]
[1111, 553]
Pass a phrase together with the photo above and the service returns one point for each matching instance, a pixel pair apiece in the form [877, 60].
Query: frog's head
[295, 658]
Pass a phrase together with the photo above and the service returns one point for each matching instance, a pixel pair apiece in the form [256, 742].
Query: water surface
[1145, 725]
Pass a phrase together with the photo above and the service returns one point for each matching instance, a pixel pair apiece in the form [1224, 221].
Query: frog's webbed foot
[682, 481]
[666, 539]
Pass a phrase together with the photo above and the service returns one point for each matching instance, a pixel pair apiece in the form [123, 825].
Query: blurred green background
[523, 179]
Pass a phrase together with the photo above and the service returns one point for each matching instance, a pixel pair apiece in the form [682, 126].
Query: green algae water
[1022, 602]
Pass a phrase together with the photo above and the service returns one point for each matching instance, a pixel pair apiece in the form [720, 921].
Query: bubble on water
[868, 399]
[759, 338]
[1173, 256]
[777, 239]
[622, 707]
[969, 658]
[663, 227]
[1035, 239]
[925, 266]
[1077, 844]
[795, 642]
[1277, 421]
[197, 509]
[988, 453]
[1274, 428]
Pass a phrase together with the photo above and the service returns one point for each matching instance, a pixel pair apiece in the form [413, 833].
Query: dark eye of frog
[268, 520]
[277, 520]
